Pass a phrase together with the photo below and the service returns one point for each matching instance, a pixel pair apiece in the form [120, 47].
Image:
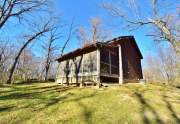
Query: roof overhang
[94, 46]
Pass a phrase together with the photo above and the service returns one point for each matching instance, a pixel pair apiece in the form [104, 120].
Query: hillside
[54, 104]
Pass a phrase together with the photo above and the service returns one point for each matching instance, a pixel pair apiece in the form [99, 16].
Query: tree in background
[31, 13]
[29, 39]
[96, 33]
[7, 52]
[168, 64]
[28, 66]
[152, 72]
[50, 49]
[160, 15]
[162, 67]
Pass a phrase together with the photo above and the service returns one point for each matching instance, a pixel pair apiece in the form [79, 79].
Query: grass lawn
[48, 103]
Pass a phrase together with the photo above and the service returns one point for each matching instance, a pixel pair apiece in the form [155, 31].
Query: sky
[81, 11]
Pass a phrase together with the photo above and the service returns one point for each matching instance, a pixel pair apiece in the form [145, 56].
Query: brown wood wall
[132, 69]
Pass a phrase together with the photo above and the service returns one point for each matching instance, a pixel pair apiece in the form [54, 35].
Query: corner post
[82, 71]
[98, 67]
[120, 66]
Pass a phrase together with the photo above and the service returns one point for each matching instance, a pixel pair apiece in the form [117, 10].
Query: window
[77, 63]
[90, 62]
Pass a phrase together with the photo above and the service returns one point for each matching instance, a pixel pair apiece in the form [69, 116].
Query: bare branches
[96, 33]
[3, 55]
[95, 23]
[50, 49]
[45, 28]
[118, 12]
[82, 37]
[164, 27]
[25, 10]
[68, 38]
[16, 8]
[163, 67]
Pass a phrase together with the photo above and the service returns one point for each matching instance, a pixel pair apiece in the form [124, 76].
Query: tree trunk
[9, 81]
[47, 71]
[14, 66]
[168, 35]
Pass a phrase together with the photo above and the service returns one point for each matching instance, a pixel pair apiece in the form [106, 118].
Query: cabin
[116, 61]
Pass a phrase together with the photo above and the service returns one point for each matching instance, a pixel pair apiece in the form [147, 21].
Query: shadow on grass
[45, 102]
[178, 87]
[32, 93]
[19, 94]
[6, 108]
[14, 88]
[145, 106]
[87, 112]
[170, 108]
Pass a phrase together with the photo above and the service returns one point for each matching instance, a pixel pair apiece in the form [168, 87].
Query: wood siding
[131, 61]
[79, 68]
[100, 62]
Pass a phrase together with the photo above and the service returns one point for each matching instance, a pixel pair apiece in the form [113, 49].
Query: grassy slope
[127, 104]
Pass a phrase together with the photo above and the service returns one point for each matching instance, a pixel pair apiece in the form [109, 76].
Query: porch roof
[93, 46]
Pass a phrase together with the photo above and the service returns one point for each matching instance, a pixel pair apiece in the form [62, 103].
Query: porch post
[98, 68]
[109, 62]
[82, 71]
[120, 66]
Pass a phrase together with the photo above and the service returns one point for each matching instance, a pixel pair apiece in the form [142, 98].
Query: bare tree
[164, 21]
[82, 37]
[25, 65]
[97, 32]
[7, 51]
[96, 29]
[50, 49]
[17, 9]
[2, 54]
[45, 28]
[168, 64]
[69, 36]
[163, 66]
[152, 71]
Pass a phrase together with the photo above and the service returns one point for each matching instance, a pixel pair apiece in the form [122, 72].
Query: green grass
[48, 103]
